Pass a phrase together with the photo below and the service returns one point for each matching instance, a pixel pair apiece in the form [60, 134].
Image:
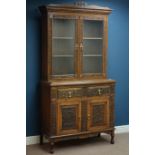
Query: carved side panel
[98, 115]
[84, 112]
[68, 117]
[111, 107]
[53, 119]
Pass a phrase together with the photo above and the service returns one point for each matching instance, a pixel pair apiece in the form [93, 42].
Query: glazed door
[93, 47]
[69, 116]
[64, 46]
[98, 114]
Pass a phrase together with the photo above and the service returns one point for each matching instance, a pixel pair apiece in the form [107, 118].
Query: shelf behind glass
[63, 55]
[92, 38]
[62, 37]
[64, 75]
[92, 55]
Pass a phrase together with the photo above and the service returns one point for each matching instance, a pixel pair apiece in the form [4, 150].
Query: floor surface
[91, 146]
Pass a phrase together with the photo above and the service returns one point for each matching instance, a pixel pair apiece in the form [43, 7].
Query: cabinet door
[69, 116]
[64, 46]
[93, 47]
[98, 113]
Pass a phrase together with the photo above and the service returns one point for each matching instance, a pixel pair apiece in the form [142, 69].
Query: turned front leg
[99, 135]
[51, 146]
[112, 136]
[41, 139]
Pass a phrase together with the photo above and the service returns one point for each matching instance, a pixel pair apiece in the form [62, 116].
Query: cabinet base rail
[54, 139]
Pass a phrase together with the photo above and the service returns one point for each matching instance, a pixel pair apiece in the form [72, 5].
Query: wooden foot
[112, 137]
[41, 139]
[99, 135]
[51, 147]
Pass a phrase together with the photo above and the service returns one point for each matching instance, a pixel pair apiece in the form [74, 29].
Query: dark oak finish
[79, 104]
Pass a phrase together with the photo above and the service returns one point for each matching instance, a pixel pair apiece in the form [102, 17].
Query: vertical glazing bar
[77, 46]
[80, 45]
[105, 45]
[49, 43]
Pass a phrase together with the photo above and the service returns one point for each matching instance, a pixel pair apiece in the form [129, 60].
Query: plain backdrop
[13, 77]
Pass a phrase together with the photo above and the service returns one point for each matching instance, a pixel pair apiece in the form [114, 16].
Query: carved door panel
[69, 116]
[98, 114]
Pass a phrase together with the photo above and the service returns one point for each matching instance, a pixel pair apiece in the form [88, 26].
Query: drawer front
[70, 92]
[98, 91]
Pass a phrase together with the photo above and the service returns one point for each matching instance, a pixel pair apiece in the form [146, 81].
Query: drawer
[98, 91]
[70, 92]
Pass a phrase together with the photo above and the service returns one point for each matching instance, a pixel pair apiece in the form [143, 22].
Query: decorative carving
[97, 115]
[80, 3]
[98, 91]
[68, 93]
[68, 117]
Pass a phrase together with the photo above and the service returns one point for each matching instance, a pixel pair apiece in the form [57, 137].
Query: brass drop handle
[69, 94]
[88, 116]
[81, 46]
[99, 91]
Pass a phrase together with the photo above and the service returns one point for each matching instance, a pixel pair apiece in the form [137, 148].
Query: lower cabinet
[69, 115]
[78, 111]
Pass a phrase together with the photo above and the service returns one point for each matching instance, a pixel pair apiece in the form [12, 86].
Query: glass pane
[93, 29]
[92, 64]
[93, 46]
[63, 28]
[63, 47]
[63, 66]
[63, 42]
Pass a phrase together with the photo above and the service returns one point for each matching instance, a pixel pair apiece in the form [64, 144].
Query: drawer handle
[99, 91]
[69, 94]
[88, 116]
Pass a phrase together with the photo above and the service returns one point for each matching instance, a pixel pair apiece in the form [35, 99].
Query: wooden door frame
[98, 100]
[51, 16]
[69, 102]
[104, 19]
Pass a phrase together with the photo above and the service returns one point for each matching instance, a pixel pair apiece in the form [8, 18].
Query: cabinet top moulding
[75, 9]
[79, 82]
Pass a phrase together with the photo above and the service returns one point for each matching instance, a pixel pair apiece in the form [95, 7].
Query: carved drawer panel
[70, 92]
[98, 91]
